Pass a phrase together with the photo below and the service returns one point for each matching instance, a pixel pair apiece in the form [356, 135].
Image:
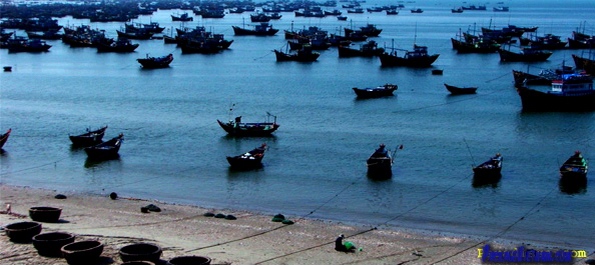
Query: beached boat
[368, 49]
[156, 62]
[105, 150]
[305, 54]
[584, 63]
[4, 137]
[455, 90]
[262, 29]
[490, 168]
[419, 57]
[248, 160]
[88, 138]
[574, 167]
[525, 55]
[380, 163]
[238, 128]
[385, 90]
[569, 92]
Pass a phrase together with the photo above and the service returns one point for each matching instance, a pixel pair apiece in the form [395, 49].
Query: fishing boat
[455, 90]
[417, 11]
[573, 174]
[456, 10]
[419, 57]
[4, 137]
[305, 54]
[375, 92]
[368, 49]
[574, 167]
[380, 163]
[525, 55]
[248, 160]
[490, 168]
[156, 62]
[238, 128]
[544, 77]
[584, 63]
[262, 29]
[569, 92]
[120, 45]
[88, 138]
[183, 17]
[105, 150]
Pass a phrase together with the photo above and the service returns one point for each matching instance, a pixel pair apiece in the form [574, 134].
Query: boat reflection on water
[573, 186]
[493, 181]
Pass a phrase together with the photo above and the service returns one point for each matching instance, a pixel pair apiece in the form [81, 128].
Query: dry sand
[251, 239]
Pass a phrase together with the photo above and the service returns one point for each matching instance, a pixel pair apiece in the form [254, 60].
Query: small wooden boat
[385, 90]
[460, 90]
[49, 244]
[22, 232]
[575, 167]
[490, 168]
[45, 214]
[4, 137]
[249, 160]
[155, 62]
[7, 68]
[380, 163]
[141, 251]
[105, 150]
[437, 71]
[238, 128]
[82, 252]
[89, 138]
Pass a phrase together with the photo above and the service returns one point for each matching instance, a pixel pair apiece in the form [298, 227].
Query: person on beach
[346, 246]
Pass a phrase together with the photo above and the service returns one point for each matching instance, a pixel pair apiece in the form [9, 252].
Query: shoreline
[252, 238]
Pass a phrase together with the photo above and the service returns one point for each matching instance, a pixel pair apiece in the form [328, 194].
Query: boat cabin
[573, 84]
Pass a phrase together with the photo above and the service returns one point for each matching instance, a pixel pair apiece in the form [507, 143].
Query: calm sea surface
[174, 150]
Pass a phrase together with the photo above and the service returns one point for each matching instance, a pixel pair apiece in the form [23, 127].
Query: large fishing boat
[419, 57]
[569, 92]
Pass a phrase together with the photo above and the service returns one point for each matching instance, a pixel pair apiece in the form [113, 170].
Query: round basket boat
[141, 251]
[50, 244]
[82, 252]
[22, 232]
[45, 214]
[189, 260]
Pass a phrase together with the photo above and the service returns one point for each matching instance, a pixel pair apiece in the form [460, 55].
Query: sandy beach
[182, 230]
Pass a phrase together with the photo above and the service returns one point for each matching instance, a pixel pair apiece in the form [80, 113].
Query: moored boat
[248, 160]
[575, 167]
[375, 92]
[238, 128]
[584, 63]
[105, 150]
[490, 168]
[368, 49]
[305, 54]
[380, 163]
[455, 90]
[569, 92]
[88, 138]
[156, 62]
[526, 55]
[262, 29]
[419, 57]
[4, 137]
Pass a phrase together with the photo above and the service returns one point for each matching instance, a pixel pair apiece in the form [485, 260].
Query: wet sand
[182, 230]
